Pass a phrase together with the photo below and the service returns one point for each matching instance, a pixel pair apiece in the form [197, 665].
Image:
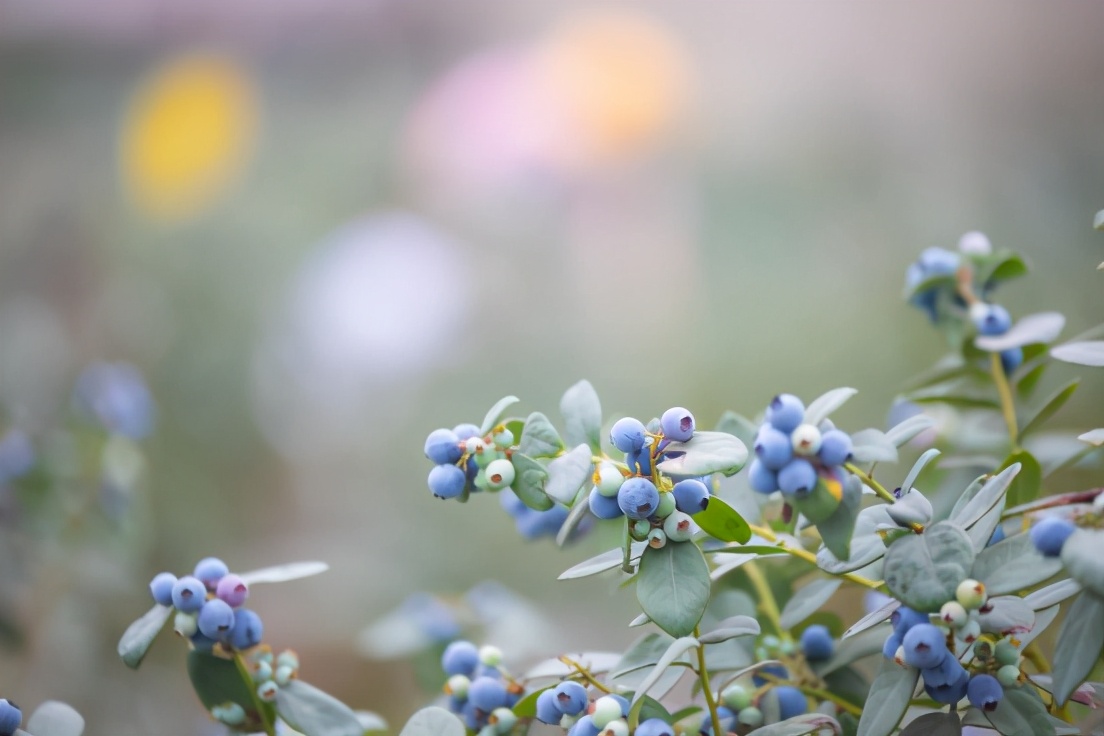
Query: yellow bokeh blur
[622, 76]
[186, 134]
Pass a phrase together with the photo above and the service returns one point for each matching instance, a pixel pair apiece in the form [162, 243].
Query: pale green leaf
[807, 601]
[284, 573]
[1087, 352]
[495, 413]
[582, 413]
[673, 652]
[540, 438]
[54, 718]
[433, 721]
[821, 407]
[138, 637]
[568, 473]
[313, 712]
[673, 587]
[705, 453]
[1043, 327]
[889, 697]
[1049, 407]
[872, 446]
[923, 570]
[719, 520]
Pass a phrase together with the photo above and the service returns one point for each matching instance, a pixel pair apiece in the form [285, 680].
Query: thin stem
[626, 548]
[1008, 406]
[881, 491]
[809, 557]
[585, 673]
[766, 595]
[707, 688]
[243, 670]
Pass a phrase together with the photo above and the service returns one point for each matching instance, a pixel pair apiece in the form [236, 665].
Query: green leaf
[999, 266]
[982, 530]
[923, 570]
[1080, 644]
[909, 429]
[1021, 713]
[863, 550]
[495, 413]
[719, 520]
[54, 718]
[921, 462]
[1052, 594]
[1013, 564]
[805, 724]
[934, 724]
[315, 713]
[889, 697]
[579, 511]
[673, 652]
[138, 637]
[807, 601]
[1094, 437]
[978, 499]
[875, 617]
[582, 413]
[1086, 352]
[738, 426]
[853, 648]
[837, 530]
[673, 587]
[1042, 327]
[540, 438]
[1007, 615]
[217, 681]
[1081, 554]
[644, 652]
[822, 406]
[284, 573]
[965, 394]
[1053, 403]
[821, 502]
[1098, 220]
[1025, 386]
[1028, 482]
[529, 482]
[433, 721]
[727, 563]
[731, 628]
[600, 563]
[705, 453]
[372, 723]
[568, 473]
[872, 446]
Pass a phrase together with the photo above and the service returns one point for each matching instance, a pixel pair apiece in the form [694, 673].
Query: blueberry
[774, 670]
[904, 618]
[761, 478]
[791, 701]
[639, 461]
[736, 697]
[990, 319]
[547, 711]
[604, 507]
[115, 395]
[487, 693]
[667, 505]
[513, 505]
[584, 727]
[678, 527]
[201, 642]
[628, 434]
[442, 446]
[1049, 534]
[938, 262]
[1011, 359]
[725, 715]
[616, 727]
[17, 455]
[817, 643]
[500, 474]
[925, 646]
[984, 692]
[945, 673]
[654, 727]
[534, 524]
[773, 448]
[798, 477]
[638, 498]
[805, 440]
[571, 698]
[210, 570]
[188, 594]
[447, 481]
[216, 619]
[233, 590]
[465, 431]
[950, 693]
[185, 624]
[11, 717]
[460, 658]
[161, 588]
[677, 424]
[785, 412]
[657, 539]
[835, 447]
[691, 496]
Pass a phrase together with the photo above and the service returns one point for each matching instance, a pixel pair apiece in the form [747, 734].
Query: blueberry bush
[741, 540]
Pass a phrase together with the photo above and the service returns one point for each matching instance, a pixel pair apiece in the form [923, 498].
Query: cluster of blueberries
[480, 691]
[466, 462]
[11, 717]
[568, 705]
[660, 513]
[917, 642]
[790, 454]
[988, 318]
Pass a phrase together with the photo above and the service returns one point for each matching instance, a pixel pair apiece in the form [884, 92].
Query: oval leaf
[917, 466]
[889, 697]
[807, 601]
[721, 521]
[54, 718]
[433, 721]
[1087, 352]
[819, 409]
[674, 651]
[1042, 327]
[672, 587]
[909, 429]
[875, 617]
[495, 413]
[284, 573]
[1007, 615]
[1079, 644]
[315, 713]
[805, 724]
[1052, 594]
[923, 570]
[1021, 713]
[986, 497]
[1081, 556]
[582, 413]
[529, 482]
[934, 724]
[731, 628]
[1013, 564]
[705, 453]
[1049, 407]
[567, 474]
[579, 511]
[540, 438]
[605, 561]
[872, 446]
[136, 640]
[1093, 437]
[216, 680]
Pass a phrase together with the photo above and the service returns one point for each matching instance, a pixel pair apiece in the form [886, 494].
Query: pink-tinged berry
[233, 590]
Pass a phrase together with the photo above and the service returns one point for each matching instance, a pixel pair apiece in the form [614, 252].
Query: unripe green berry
[787, 647]
[457, 687]
[504, 439]
[666, 505]
[283, 675]
[499, 474]
[657, 539]
[568, 721]
[771, 642]
[616, 728]
[954, 614]
[750, 716]
[185, 624]
[1008, 675]
[229, 713]
[262, 672]
[1006, 653]
[640, 529]
[608, 479]
[736, 697]
[606, 709]
[487, 455]
[678, 527]
[473, 445]
[971, 594]
[267, 690]
[970, 632]
[287, 657]
[490, 655]
[503, 720]
[806, 440]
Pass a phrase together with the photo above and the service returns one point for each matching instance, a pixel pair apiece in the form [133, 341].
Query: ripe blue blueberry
[725, 715]
[925, 646]
[761, 478]
[210, 570]
[216, 619]
[161, 588]
[984, 692]
[465, 431]
[638, 498]
[571, 698]
[604, 507]
[799, 476]
[233, 590]
[990, 319]
[628, 434]
[938, 262]
[447, 481]
[904, 618]
[533, 524]
[951, 693]
[460, 658]
[774, 670]
[248, 629]
[442, 446]
[691, 496]
[487, 693]
[585, 726]
[773, 448]
[817, 643]
[639, 461]
[945, 673]
[547, 710]
[785, 412]
[1011, 359]
[791, 701]
[835, 447]
[677, 424]
[1050, 534]
[654, 727]
[11, 717]
[188, 594]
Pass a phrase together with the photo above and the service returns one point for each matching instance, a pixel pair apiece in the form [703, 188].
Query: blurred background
[321, 228]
